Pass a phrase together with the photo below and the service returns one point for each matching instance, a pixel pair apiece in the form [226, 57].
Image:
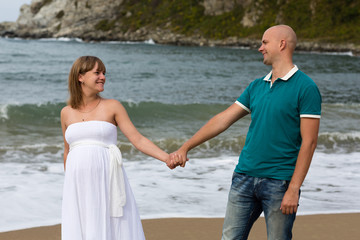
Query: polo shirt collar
[284, 78]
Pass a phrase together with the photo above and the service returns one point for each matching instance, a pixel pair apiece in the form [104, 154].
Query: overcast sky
[10, 9]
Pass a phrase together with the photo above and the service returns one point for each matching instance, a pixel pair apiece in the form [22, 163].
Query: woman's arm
[132, 134]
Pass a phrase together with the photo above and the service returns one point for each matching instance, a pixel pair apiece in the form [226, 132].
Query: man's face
[269, 47]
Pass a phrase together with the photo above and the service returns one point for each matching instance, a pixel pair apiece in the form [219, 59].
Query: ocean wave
[38, 152]
[40, 149]
[29, 147]
[353, 136]
[339, 142]
[30, 113]
[4, 111]
[61, 39]
[51, 151]
[149, 41]
[339, 104]
[152, 113]
[45, 112]
[169, 125]
[66, 39]
[339, 53]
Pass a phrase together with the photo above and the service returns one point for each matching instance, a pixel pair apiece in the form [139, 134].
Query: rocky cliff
[321, 25]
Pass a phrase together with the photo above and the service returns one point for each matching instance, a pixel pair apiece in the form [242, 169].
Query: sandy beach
[309, 227]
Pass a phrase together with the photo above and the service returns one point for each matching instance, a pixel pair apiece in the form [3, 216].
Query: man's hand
[290, 201]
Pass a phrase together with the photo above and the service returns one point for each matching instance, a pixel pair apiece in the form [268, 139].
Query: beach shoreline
[32, 172]
[307, 227]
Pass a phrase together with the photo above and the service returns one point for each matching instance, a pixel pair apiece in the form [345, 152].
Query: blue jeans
[248, 198]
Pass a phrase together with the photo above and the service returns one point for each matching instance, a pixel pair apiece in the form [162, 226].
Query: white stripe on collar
[284, 78]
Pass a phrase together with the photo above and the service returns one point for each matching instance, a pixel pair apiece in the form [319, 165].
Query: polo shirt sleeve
[244, 99]
[310, 102]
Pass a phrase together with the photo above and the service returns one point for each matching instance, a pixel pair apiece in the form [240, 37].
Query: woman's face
[93, 80]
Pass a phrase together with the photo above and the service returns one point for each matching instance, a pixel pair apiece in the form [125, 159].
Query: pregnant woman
[97, 201]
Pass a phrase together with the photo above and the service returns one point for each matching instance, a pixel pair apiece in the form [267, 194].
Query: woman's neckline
[92, 121]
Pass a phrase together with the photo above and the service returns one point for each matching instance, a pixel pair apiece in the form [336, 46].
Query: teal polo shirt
[273, 140]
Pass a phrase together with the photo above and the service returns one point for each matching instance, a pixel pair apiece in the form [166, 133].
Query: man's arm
[309, 128]
[212, 128]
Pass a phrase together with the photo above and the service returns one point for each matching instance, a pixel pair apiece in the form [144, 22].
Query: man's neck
[280, 70]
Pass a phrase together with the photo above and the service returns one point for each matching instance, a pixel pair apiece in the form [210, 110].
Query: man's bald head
[284, 32]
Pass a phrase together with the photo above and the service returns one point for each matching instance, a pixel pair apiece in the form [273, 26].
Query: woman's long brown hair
[81, 66]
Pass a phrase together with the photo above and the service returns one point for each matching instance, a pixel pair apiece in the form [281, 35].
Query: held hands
[178, 158]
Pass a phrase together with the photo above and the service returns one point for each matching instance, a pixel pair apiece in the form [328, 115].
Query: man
[285, 108]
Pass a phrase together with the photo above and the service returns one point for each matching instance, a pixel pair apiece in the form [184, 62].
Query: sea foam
[30, 194]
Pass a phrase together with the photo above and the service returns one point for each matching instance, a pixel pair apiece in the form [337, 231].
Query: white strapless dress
[86, 197]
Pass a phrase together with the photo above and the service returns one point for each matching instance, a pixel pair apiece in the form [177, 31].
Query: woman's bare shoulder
[65, 110]
[111, 102]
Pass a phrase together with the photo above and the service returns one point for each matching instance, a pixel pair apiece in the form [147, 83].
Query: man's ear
[282, 45]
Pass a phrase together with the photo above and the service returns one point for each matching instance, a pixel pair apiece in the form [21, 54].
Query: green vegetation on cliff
[324, 20]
